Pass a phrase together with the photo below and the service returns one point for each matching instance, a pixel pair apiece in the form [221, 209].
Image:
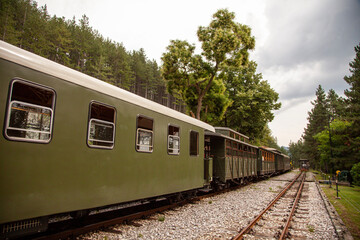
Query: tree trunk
[199, 106]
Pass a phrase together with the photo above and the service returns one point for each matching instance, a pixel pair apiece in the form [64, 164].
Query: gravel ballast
[222, 216]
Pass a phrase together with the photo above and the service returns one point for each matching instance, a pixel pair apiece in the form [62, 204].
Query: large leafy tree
[225, 43]
[253, 101]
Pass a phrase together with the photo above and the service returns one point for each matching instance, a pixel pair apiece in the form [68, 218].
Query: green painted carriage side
[236, 167]
[279, 163]
[267, 167]
[233, 166]
[66, 175]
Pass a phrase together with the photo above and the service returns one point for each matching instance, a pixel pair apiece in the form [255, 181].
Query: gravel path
[222, 216]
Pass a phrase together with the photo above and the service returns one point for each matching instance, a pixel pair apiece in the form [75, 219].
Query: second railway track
[275, 219]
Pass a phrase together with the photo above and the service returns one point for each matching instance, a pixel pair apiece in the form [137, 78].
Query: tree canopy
[190, 76]
[219, 84]
[253, 101]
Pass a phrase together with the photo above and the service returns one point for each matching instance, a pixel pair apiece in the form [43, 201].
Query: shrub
[355, 174]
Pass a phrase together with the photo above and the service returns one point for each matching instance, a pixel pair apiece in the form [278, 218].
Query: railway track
[131, 227]
[275, 219]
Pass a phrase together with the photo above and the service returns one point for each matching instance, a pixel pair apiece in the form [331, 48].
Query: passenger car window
[144, 134]
[30, 112]
[194, 143]
[173, 140]
[101, 129]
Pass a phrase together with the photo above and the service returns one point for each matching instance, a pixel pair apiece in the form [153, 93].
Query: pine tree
[336, 105]
[296, 151]
[318, 120]
[353, 100]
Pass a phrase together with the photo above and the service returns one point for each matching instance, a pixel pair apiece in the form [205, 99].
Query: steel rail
[298, 194]
[248, 228]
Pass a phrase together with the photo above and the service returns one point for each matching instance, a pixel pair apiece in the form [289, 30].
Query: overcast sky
[299, 44]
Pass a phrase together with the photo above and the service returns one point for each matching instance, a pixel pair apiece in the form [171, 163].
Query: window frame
[10, 102]
[173, 136]
[137, 146]
[90, 120]
[197, 143]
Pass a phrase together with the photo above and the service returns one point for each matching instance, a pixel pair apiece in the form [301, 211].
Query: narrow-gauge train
[72, 143]
[304, 164]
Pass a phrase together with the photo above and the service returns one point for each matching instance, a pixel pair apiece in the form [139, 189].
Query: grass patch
[320, 176]
[348, 206]
[161, 218]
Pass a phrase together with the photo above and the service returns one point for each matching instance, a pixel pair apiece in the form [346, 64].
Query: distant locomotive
[72, 143]
[304, 164]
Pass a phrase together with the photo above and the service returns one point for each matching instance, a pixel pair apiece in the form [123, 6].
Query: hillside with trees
[77, 45]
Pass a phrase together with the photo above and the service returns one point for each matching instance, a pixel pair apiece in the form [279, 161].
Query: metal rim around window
[28, 130]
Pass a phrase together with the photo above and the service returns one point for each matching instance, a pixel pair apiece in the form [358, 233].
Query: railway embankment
[224, 215]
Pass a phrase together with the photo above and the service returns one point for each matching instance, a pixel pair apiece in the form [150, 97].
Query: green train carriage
[233, 158]
[266, 161]
[71, 142]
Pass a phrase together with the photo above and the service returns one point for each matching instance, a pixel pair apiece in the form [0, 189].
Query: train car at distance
[71, 143]
[304, 164]
[286, 162]
[233, 159]
[266, 161]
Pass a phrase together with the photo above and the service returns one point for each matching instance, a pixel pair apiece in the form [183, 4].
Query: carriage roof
[33, 61]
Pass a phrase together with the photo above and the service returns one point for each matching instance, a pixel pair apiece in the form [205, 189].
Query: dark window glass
[30, 112]
[194, 143]
[101, 132]
[144, 134]
[173, 140]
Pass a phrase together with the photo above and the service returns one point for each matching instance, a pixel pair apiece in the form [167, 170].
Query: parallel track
[247, 229]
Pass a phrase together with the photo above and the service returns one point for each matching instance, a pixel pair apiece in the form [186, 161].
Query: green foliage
[266, 139]
[253, 101]
[353, 101]
[332, 136]
[347, 206]
[190, 76]
[333, 146]
[296, 152]
[318, 120]
[336, 105]
[161, 218]
[355, 174]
